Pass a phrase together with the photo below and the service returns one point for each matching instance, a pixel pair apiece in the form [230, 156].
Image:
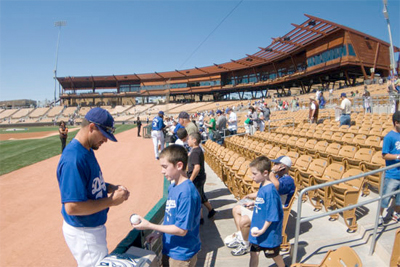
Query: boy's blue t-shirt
[80, 179]
[182, 210]
[268, 207]
[391, 145]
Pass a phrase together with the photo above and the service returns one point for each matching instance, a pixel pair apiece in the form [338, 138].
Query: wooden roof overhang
[286, 46]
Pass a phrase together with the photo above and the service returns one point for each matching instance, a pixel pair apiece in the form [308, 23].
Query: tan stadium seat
[265, 150]
[300, 144]
[223, 160]
[359, 140]
[319, 147]
[344, 128]
[249, 151]
[238, 179]
[230, 176]
[374, 180]
[282, 143]
[354, 129]
[362, 155]
[306, 178]
[376, 131]
[347, 139]
[335, 128]
[326, 135]
[246, 184]
[282, 152]
[336, 137]
[293, 155]
[344, 153]
[285, 245]
[290, 131]
[346, 194]
[395, 258]
[272, 153]
[277, 139]
[302, 164]
[332, 149]
[364, 129]
[343, 256]
[372, 142]
[309, 145]
[258, 149]
[228, 166]
[317, 134]
[291, 142]
[333, 172]
[310, 133]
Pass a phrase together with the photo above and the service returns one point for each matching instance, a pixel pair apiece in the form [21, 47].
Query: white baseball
[254, 229]
[135, 219]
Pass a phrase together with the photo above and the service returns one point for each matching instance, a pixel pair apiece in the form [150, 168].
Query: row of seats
[233, 169]
[312, 165]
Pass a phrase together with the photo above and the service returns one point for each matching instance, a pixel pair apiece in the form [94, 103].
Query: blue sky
[125, 37]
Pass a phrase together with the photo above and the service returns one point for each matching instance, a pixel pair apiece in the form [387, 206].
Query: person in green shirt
[211, 125]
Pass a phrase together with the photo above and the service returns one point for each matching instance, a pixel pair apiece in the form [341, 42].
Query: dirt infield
[31, 221]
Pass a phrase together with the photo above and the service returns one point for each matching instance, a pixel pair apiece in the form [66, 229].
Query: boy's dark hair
[261, 163]
[196, 136]
[181, 133]
[175, 154]
[396, 117]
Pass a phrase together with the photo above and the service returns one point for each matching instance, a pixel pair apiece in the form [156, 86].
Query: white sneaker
[242, 249]
[230, 238]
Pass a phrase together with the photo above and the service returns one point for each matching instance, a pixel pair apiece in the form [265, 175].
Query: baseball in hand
[135, 219]
[254, 229]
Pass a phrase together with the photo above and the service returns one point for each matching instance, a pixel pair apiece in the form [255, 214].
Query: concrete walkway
[316, 237]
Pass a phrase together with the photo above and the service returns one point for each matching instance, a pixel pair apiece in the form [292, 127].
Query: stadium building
[315, 53]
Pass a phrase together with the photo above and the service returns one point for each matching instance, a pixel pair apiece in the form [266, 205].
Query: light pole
[58, 24]
[391, 51]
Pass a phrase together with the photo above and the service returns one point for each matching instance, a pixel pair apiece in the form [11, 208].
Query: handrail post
[372, 248]
[297, 229]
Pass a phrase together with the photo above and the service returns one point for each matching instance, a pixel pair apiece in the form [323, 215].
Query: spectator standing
[85, 196]
[232, 121]
[157, 133]
[184, 120]
[391, 155]
[181, 227]
[211, 125]
[367, 100]
[345, 107]
[139, 125]
[197, 174]
[63, 130]
[313, 111]
[221, 125]
[321, 101]
[253, 117]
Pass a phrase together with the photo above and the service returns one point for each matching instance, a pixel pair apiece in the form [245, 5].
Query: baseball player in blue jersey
[156, 132]
[85, 196]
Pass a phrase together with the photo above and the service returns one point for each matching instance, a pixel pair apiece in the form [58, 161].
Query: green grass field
[15, 154]
[32, 129]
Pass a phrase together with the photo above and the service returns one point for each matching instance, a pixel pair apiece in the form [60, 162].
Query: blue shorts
[390, 185]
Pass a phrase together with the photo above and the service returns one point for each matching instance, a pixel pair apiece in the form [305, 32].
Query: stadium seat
[395, 258]
[306, 178]
[346, 194]
[362, 155]
[345, 152]
[272, 153]
[228, 166]
[331, 150]
[374, 180]
[300, 145]
[309, 145]
[302, 164]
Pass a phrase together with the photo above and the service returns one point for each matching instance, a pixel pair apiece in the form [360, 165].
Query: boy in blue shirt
[266, 225]
[391, 154]
[181, 236]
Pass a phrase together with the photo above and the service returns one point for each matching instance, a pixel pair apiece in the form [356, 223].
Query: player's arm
[195, 172]
[251, 195]
[91, 206]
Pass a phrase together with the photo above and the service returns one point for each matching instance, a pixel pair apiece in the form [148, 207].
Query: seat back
[344, 128]
[310, 144]
[376, 131]
[354, 129]
[334, 171]
[238, 163]
[347, 151]
[301, 142]
[337, 136]
[243, 168]
[321, 146]
[281, 152]
[364, 154]
[327, 135]
[364, 129]
[395, 258]
[303, 162]
[293, 156]
[317, 134]
[228, 155]
[232, 159]
[347, 138]
[310, 133]
[265, 150]
[359, 139]
[356, 182]
[292, 141]
[333, 149]
[343, 256]
[373, 141]
[317, 167]
[272, 153]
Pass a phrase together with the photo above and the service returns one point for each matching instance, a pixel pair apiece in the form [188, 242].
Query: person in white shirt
[201, 120]
[345, 107]
[232, 121]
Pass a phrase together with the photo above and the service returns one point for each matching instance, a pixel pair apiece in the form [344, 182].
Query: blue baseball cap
[104, 122]
[343, 95]
[161, 112]
[219, 111]
[227, 110]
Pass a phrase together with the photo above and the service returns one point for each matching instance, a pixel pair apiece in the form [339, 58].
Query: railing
[299, 220]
